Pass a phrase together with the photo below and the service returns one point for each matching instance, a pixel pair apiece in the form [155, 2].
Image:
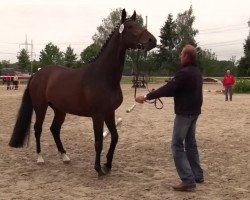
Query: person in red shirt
[8, 80]
[228, 83]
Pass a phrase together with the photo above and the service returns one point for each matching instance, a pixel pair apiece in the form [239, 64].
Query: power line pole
[249, 28]
[26, 44]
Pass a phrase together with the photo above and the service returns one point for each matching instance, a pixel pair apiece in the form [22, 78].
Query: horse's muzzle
[148, 45]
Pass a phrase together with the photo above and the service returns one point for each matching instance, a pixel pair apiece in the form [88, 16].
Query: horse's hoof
[65, 158]
[66, 161]
[106, 169]
[40, 160]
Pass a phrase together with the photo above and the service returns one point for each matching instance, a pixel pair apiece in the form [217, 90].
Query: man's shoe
[199, 180]
[184, 187]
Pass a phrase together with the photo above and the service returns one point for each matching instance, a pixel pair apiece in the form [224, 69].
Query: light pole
[249, 28]
[31, 57]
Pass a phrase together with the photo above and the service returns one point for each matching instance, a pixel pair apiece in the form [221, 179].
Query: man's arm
[167, 90]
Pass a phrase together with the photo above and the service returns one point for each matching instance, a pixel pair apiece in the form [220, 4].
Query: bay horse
[92, 91]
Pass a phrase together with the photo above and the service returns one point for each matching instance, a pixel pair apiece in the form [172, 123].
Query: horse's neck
[111, 61]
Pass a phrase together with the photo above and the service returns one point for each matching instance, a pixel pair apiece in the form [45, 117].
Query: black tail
[22, 126]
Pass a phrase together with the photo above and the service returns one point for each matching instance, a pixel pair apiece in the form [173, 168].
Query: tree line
[163, 60]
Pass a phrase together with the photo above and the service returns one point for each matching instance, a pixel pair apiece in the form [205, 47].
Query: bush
[242, 86]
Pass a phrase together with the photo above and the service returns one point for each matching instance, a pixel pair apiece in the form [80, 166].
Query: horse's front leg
[98, 122]
[110, 122]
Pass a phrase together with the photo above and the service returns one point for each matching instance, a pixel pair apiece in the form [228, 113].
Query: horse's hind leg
[40, 115]
[110, 122]
[55, 129]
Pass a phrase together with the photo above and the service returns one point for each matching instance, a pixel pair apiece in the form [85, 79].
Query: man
[8, 81]
[186, 88]
[15, 82]
[228, 83]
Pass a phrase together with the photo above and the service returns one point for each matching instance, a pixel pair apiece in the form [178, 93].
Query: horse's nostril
[150, 40]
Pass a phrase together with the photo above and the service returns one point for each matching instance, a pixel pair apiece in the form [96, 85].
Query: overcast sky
[222, 24]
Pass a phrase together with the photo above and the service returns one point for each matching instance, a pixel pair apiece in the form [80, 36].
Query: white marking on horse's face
[121, 28]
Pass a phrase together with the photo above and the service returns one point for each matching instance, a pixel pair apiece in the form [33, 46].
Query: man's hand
[140, 99]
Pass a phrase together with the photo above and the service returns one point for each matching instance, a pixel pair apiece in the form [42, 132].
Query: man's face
[183, 57]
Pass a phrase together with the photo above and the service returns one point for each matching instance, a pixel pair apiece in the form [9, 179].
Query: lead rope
[154, 101]
[136, 75]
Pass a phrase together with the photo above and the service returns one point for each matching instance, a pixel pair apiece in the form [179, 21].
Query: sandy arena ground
[143, 167]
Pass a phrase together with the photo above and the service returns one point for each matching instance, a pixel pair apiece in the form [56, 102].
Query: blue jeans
[184, 148]
[229, 91]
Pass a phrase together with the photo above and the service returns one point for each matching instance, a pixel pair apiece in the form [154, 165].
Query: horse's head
[133, 35]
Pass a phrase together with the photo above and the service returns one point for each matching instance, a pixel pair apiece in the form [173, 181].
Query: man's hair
[191, 52]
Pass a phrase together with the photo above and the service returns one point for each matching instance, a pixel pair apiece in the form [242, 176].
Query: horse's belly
[87, 101]
[83, 108]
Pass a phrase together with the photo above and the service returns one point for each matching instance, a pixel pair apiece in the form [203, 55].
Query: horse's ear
[124, 15]
[133, 17]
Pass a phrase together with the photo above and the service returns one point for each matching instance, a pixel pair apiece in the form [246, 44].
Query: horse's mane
[105, 44]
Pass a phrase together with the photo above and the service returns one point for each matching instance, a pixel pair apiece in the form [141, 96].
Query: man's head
[228, 71]
[188, 55]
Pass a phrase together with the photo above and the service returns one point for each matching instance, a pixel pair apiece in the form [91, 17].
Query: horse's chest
[102, 98]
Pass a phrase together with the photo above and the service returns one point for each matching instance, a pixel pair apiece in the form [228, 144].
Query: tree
[51, 55]
[4, 64]
[175, 34]
[244, 64]
[206, 61]
[150, 64]
[90, 53]
[208, 54]
[167, 54]
[24, 59]
[211, 66]
[107, 26]
[69, 57]
[168, 40]
[134, 58]
[185, 30]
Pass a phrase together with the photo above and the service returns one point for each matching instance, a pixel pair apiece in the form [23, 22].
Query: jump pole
[118, 123]
[131, 108]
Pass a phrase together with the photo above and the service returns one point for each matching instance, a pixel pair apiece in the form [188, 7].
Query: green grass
[128, 79]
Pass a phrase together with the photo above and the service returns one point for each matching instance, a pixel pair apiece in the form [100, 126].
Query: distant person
[8, 81]
[228, 83]
[186, 88]
[15, 82]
